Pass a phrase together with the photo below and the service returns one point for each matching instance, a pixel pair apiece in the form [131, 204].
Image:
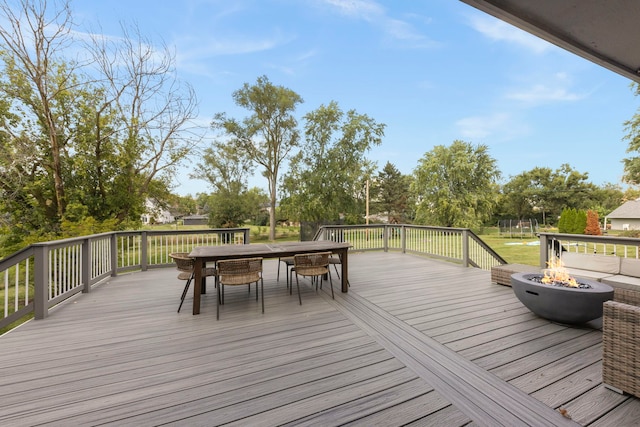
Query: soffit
[603, 31]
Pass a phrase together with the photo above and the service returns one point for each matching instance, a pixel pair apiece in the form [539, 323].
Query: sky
[432, 71]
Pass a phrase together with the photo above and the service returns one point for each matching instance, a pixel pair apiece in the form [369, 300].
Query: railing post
[544, 250]
[403, 239]
[86, 266]
[114, 254]
[41, 282]
[465, 248]
[246, 236]
[144, 251]
[385, 238]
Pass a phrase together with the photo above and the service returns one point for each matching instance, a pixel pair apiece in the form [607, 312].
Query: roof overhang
[606, 32]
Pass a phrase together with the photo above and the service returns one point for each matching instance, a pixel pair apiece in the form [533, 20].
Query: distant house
[626, 217]
[155, 214]
[195, 220]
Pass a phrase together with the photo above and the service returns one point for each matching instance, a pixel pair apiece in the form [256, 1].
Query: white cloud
[498, 30]
[555, 88]
[376, 15]
[541, 93]
[480, 127]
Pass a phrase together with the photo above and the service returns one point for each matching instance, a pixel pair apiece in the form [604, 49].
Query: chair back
[239, 271]
[182, 260]
[313, 264]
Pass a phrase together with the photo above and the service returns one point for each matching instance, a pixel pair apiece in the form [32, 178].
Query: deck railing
[459, 245]
[555, 243]
[42, 275]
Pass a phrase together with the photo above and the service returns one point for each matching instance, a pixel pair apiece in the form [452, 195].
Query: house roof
[604, 32]
[629, 210]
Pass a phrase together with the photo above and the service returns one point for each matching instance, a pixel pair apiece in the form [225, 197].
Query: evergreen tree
[593, 224]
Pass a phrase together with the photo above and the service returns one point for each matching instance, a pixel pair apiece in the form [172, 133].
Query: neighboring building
[195, 220]
[155, 214]
[626, 217]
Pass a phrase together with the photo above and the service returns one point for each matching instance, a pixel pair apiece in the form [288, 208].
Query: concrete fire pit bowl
[561, 304]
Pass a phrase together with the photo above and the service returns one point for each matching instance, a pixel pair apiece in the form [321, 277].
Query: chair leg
[218, 300]
[298, 286]
[290, 280]
[261, 292]
[331, 285]
[184, 292]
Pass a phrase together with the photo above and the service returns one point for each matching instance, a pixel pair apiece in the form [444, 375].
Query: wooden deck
[414, 342]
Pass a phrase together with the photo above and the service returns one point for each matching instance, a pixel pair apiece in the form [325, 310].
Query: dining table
[211, 254]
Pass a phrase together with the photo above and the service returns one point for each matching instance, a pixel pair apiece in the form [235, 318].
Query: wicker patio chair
[242, 271]
[313, 265]
[184, 265]
[621, 342]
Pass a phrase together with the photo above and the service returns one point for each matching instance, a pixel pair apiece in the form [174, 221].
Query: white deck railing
[452, 244]
[42, 275]
[554, 244]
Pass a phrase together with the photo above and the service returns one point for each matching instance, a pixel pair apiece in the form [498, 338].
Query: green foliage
[456, 185]
[267, 136]
[83, 144]
[572, 221]
[545, 192]
[327, 178]
[580, 223]
[392, 195]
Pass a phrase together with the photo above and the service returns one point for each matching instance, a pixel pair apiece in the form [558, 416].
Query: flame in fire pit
[557, 274]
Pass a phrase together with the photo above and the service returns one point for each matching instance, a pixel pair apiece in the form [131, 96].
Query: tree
[392, 194]
[593, 224]
[224, 167]
[91, 139]
[268, 135]
[542, 189]
[456, 186]
[32, 39]
[327, 177]
[152, 115]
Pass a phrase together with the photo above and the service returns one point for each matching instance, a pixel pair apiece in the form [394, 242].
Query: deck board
[415, 342]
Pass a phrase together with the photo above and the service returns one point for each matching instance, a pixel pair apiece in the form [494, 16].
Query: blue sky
[433, 71]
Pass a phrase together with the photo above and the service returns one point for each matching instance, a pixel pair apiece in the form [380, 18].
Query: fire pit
[558, 297]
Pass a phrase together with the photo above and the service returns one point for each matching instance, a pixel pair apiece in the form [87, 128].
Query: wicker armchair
[184, 265]
[313, 265]
[621, 342]
[234, 272]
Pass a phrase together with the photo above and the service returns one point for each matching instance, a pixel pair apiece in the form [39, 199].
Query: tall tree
[392, 193]
[32, 38]
[327, 177]
[456, 185]
[268, 135]
[153, 115]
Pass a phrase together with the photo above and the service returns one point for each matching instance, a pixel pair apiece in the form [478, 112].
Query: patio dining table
[205, 254]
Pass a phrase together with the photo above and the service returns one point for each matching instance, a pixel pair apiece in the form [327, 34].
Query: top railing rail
[553, 244]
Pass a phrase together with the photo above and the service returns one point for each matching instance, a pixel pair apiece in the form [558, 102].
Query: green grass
[513, 250]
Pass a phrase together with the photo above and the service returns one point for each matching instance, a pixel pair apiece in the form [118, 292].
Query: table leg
[197, 288]
[345, 270]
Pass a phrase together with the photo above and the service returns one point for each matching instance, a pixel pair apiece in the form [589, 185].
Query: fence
[553, 244]
[459, 245]
[44, 274]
